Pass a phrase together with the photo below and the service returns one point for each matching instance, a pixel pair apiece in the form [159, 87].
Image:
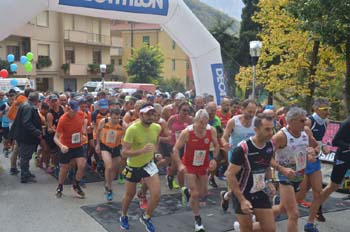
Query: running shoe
[320, 217]
[198, 226]
[212, 182]
[175, 185]
[224, 203]
[79, 193]
[147, 223]
[305, 204]
[59, 191]
[14, 171]
[185, 196]
[236, 226]
[310, 227]
[109, 195]
[142, 201]
[121, 179]
[124, 222]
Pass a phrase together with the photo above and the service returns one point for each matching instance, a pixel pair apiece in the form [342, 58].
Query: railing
[88, 38]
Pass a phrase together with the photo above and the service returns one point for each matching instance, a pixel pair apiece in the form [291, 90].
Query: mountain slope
[210, 16]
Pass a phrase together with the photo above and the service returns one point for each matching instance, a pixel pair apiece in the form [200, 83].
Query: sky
[231, 7]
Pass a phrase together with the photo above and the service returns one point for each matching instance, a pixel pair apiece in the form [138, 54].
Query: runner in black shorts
[248, 172]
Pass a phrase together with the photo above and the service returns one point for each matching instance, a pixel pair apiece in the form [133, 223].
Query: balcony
[75, 69]
[87, 38]
[116, 51]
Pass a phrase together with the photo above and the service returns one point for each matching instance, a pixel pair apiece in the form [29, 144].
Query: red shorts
[199, 171]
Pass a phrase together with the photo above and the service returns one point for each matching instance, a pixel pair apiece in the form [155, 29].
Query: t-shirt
[254, 161]
[138, 136]
[70, 129]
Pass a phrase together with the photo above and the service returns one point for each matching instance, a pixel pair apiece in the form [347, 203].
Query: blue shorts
[312, 167]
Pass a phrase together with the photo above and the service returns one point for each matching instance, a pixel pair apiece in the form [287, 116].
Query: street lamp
[103, 69]
[255, 50]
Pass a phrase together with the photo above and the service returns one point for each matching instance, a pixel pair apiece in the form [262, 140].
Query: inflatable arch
[173, 16]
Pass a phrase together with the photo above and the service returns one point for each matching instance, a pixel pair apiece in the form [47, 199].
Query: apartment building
[68, 50]
[134, 35]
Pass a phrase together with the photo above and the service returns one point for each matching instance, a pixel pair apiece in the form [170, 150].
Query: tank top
[318, 130]
[293, 155]
[241, 132]
[98, 119]
[56, 115]
[111, 135]
[177, 126]
[196, 152]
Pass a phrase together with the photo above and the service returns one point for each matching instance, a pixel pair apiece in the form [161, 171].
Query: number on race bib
[199, 157]
[111, 136]
[76, 138]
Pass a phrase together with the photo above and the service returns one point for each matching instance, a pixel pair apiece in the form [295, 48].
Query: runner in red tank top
[195, 163]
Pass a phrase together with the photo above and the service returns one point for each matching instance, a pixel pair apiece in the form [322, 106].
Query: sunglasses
[324, 108]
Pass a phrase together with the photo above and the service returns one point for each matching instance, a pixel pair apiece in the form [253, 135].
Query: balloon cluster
[25, 60]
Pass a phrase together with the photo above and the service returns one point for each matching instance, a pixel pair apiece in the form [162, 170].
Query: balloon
[30, 56]
[10, 58]
[13, 67]
[24, 59]
[14, 82]
[28, 66]
[4, 73]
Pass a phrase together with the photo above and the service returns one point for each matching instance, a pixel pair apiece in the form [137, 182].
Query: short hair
[33, 97]
[184, 103]
[246, 102]
[260, 117]
[295, 112]
[202, 113]
[157, 107]
[320, 101]
[115, 111]
[45, 106]
[28, 91]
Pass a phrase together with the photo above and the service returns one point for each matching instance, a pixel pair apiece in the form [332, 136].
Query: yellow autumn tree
[286, 68]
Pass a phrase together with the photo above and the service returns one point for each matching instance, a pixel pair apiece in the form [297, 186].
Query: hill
[210, 16]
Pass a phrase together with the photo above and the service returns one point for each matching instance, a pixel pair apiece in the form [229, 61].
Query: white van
[21, 84]
[95, 86]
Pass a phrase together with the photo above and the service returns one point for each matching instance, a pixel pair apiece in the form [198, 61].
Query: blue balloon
[24, 59]
[10, 58]
[13, 67]
[14, 82]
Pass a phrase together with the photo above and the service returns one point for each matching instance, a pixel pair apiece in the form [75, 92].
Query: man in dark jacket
[26, 130]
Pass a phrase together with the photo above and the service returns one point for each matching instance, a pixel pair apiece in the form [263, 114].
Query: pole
[254, 77]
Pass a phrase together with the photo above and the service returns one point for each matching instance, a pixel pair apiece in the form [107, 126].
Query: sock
[198, 219]
[76, 182]
[227, 196]
[60, 186]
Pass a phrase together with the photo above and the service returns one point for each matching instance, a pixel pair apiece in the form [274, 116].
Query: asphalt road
[34, 208]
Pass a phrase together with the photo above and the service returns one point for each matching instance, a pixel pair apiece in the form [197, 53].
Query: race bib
[258, 182]
[300, 161]
[111, 136]
[177, 134]
[199, 157]
[76, 138]
[151, 168]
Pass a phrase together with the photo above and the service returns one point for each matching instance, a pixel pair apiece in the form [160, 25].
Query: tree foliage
[146, 65]
[287, 68]
[172, 84]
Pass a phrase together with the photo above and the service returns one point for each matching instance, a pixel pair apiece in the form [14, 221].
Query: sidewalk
[34, 208]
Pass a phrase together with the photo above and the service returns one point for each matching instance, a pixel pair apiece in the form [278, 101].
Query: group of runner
[132, 137]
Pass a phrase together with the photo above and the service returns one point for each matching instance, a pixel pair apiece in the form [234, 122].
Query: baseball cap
[74, 105]
[179, 96]
[150, 96]
[53, 97]
[146, 108]
[103, 103]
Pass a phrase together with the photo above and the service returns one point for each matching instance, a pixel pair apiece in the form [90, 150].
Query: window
[113, 61]
[174, 45]
[146, 40]
[120, 62]
[174, 64]
[70, 56]
[14, 50]
[43, 50]
[96, 57]
[43, 19]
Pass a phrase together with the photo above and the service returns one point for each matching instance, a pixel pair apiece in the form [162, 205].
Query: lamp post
[255, 51]
[103, 69]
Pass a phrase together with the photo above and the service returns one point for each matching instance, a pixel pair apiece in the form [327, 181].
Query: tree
[292, 65]
[146, 65]
[229, 49]
[172, 84]
[331, 21]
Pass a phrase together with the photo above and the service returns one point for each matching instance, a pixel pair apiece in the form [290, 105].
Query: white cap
[179, 96]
